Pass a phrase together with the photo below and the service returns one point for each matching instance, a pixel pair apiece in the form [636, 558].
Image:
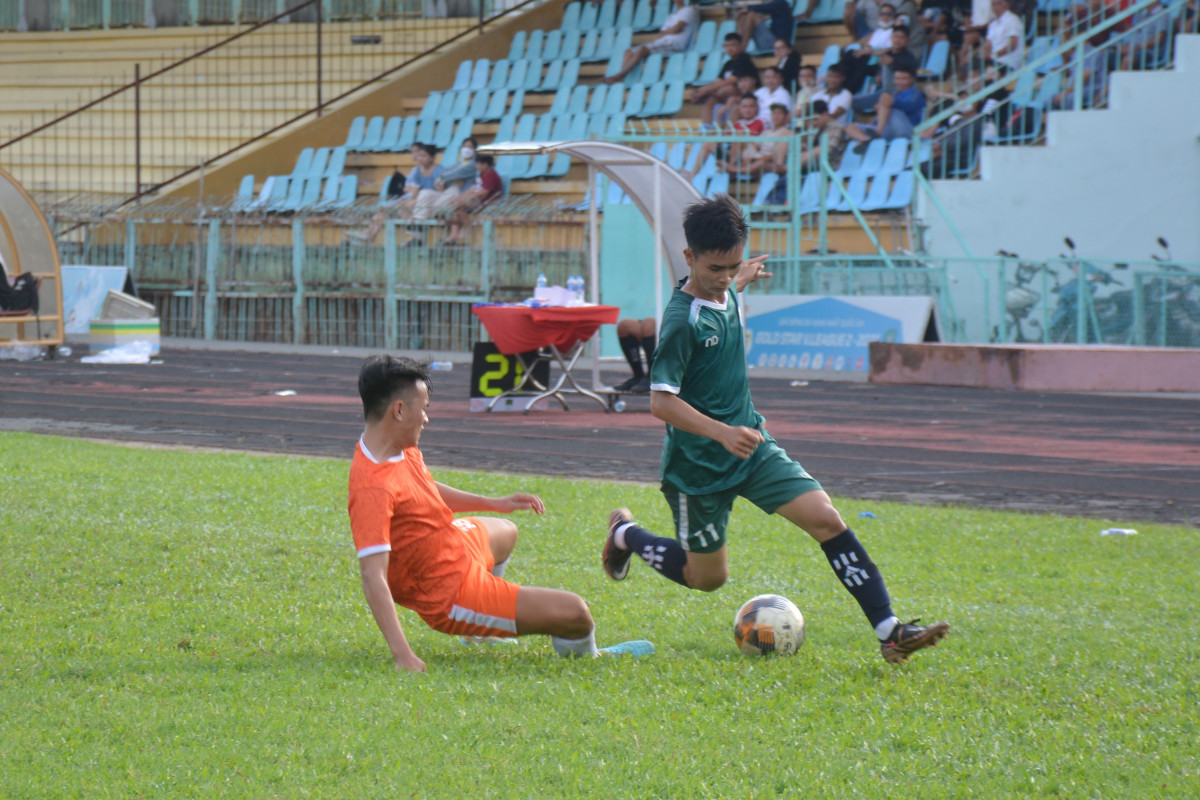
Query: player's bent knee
[706, 580]
[577, 619]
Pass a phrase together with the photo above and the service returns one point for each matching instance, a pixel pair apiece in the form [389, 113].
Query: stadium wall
[1113, 180]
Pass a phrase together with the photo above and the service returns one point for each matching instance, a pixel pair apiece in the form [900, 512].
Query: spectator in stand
[788, 63]
[726, 113]
[856, 61]
[835, 138]
[764, 23]
[860, 17]
[761, 157]
[422, 178]
[772, 93]
[677, 32]
[898, 57]
[746, 122]
[806, 90]
[896, 113]
[837, 98]
[488, 187]
[1005, 40]
[1148, 43]
[725, 86]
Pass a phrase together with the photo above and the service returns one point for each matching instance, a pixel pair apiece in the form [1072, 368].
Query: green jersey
[701, 358]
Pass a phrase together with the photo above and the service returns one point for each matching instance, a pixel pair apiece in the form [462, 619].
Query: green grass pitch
[182, 624]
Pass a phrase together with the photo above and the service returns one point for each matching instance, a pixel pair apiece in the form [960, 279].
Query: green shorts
[774, 479]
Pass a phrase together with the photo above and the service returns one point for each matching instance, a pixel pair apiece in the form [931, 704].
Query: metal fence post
[137, 130]
[298, 281]
[319, 16]
[391, 331]
[486, 254]
[130, 245]
[210, 279]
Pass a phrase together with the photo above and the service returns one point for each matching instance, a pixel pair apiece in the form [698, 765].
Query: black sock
[629, 346]
[859, 575]
[648, 344]
[665, 555]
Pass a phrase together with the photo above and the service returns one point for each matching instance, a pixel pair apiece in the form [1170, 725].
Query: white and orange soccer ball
[768, 624]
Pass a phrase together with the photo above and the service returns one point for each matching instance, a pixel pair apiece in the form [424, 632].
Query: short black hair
[908, 70]
[484, 158]
[837, 69]
[383, 378]
[716, 225]
[808, 67]
[901, 29]
[428, 148]
[733, 37]
[820, 107]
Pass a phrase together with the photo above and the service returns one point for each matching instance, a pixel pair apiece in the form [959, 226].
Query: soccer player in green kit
[717, 448]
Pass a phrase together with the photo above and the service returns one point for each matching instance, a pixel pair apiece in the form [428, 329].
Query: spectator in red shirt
[488, 187]
[745, 121]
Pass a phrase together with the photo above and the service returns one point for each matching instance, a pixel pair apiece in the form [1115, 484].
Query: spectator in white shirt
[838, 100]
[1005, 40]
[772, 93]
[677, 32]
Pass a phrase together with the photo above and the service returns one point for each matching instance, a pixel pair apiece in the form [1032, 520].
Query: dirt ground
[1118, 458]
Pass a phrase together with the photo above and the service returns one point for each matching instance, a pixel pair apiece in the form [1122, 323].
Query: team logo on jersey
[463, 524]
[712, 341]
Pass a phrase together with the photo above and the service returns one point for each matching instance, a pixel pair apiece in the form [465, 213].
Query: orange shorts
[485, 605]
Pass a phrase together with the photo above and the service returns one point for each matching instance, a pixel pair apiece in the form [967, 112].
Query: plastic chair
[616, 125]
[425, 130]
[324, 195]
[430, 109]
[319, 161]
[267, 194]
[652, 69]
[718, 184]
[295, 193]
[462, 78]
[809, 199]
[706, 37]
[615, 100]
[303, 162]
[895, 158]
[832, 55]
[459, 102]
[479, 74]
[652, 102]
[605, 45]
[355, 134]
[700, 183]
[902, 192]
[517, 74]
[408, 134]
[877, 196]
[676, 155]
[479, 103]
[551, 45]
[579, 99]
[347, 192]
[624, 16]
[570, 46]
[662, 10]
[390, 137]
[607, 17]
[570, 20]
[499, 76]
[589, 43]
[597, 123]
[245, 194]
[872, 159]
[712, 68]
[517, 48]
[587, 16]
[504, 131]
[443, 132]
[570, 73]
[598, 98]
[533, 45]
[658, 150]
[562, 100]
[337, 162]
[642, 18]
[937, 58]
[673, 102]
[765, 185]
[633, 101]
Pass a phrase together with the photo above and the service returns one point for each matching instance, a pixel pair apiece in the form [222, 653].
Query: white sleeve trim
[664, 387]
[373, 549]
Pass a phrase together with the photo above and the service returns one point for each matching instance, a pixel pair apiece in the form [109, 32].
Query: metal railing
[176, 118]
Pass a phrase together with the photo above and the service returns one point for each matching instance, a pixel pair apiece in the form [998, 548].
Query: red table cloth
[518, 328]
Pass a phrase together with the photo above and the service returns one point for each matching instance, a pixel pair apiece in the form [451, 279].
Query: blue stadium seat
[877, 196]
[408, 134]
[1041, 46]
[533, 45]
[551, 45]
[347, 193]
[479, 74]
[705, 40]
[616, 125]
[923, 156]
[355, 134]
[506, 128]
[808, 201]
[596, 125]
[693, 155]
[643, 16]
[712, 68]
[337, 162]
[462, 131]
[319, 195]
[937, 58]
[872, 159]
[579, 99]
[459, 103]
[833, 54]
[319, 161]
[634, 100]
[245, 194]
[676, 155]
[652, 102]
[570, 46]
[651, 69]
[517, 76]
[497, 105]
[562, 100]
[691, 67]
[570, 73]
[552, 81]
[673, 103]
[717, 184]
[462, 78]
[599, 97]
[589, 44]
[624, 17]
[295, 193]
[605, 45]
[895, 159]
[765, 184]
[390, 138]
[303, 162]
[430, 109]
[616, 195]
[607, 17]
[479, 103]
[273, 190]
[425, 130]
[570, 20]
[658, 150]
[517, 48]
[587, 16]
[615, 101]
[443, 132]
[851, 161]
[856, 189]
[901, 195]
[700, 183]
[498, 79]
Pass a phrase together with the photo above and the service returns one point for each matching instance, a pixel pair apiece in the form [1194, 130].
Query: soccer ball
[768, 624]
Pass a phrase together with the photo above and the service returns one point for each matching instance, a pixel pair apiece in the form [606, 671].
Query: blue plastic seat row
[398, 134]
[878, 193]
[550, 128]
[530, 75]
[641, 15]
[322, 162]
[881, 157]
[484, 105]
[594, 44]
[292, 193]
[638, 101]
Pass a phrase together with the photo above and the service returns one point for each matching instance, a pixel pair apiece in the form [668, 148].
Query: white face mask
[466, 154]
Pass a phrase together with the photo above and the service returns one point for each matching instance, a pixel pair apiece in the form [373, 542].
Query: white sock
[498, 570]
[883, 629]
[575, 647]
[619, 535]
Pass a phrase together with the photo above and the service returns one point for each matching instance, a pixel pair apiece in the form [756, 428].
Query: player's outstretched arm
[379, 598]
[739, 440]
[460, 502]
[751, 270]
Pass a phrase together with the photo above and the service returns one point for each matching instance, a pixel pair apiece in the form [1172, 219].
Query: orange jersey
[395, 506]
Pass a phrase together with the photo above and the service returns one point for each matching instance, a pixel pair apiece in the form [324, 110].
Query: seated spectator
[806, 90]
[837, 98]
[422, 178]
[1149, 42]
[764, 23]
[896, 113]
[453, 181]
[834, 140]
[856, 61]
[634, 334]
[1004, 43]
[725, 86]
[759, 158]
[726, 113]
[677, 32]
[860, 17]
[898, 57]
[487, 189]
[787, 61]
[746, 122]
[772, 93]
